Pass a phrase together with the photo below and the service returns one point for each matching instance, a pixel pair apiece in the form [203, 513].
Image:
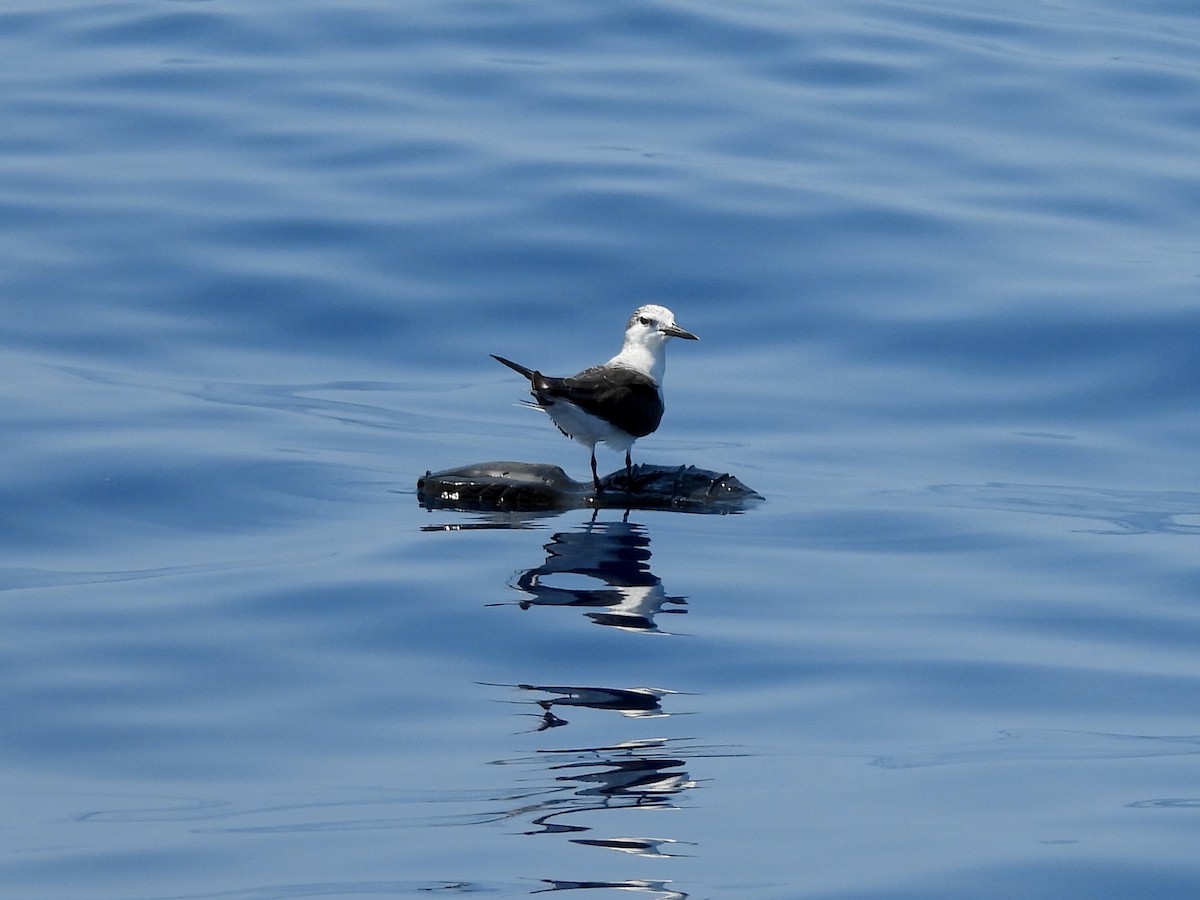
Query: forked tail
[516, 367]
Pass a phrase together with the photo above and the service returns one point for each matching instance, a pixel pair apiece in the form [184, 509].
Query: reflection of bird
[615, 556]
[640, 886]
[619, 401]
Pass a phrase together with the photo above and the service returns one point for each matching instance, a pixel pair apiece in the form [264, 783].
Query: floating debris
[526, 487]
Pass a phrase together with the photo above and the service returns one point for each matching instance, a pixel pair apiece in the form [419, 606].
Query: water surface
[942, 260]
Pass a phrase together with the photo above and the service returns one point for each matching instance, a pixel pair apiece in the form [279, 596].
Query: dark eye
[645, 320]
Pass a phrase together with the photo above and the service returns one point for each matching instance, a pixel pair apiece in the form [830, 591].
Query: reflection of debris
[508, 486]
[650, 848]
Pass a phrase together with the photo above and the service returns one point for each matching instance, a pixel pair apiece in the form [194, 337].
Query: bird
[616, 402]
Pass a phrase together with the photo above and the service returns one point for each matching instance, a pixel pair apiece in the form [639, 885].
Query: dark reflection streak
[636, 775]
[550, 720]
[1166, 803]
[548, 827]
[644, 847]
[635, 703]
[618, 788]
[495, 521]
[626, 777]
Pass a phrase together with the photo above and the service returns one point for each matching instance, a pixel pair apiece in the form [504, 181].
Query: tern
[619, 401]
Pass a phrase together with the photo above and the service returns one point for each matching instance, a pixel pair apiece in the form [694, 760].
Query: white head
[653, 325]
[646, 336]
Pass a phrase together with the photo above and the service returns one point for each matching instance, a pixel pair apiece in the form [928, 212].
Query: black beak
[676, 331]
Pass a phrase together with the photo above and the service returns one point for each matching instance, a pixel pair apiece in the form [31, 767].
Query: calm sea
[943, 259]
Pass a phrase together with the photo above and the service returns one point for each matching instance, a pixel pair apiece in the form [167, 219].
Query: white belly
[586, 428]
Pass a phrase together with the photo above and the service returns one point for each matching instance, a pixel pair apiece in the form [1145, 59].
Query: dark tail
[528, 373]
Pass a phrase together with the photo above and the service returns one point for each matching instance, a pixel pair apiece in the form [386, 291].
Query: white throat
[646, 356]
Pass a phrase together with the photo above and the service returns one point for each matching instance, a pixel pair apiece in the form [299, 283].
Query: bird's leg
[628, 471]
[595, 477]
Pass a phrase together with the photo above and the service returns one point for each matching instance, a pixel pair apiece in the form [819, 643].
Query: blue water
[943, 261]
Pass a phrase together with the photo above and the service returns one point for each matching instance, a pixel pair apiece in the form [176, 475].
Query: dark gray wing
[625, 397]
